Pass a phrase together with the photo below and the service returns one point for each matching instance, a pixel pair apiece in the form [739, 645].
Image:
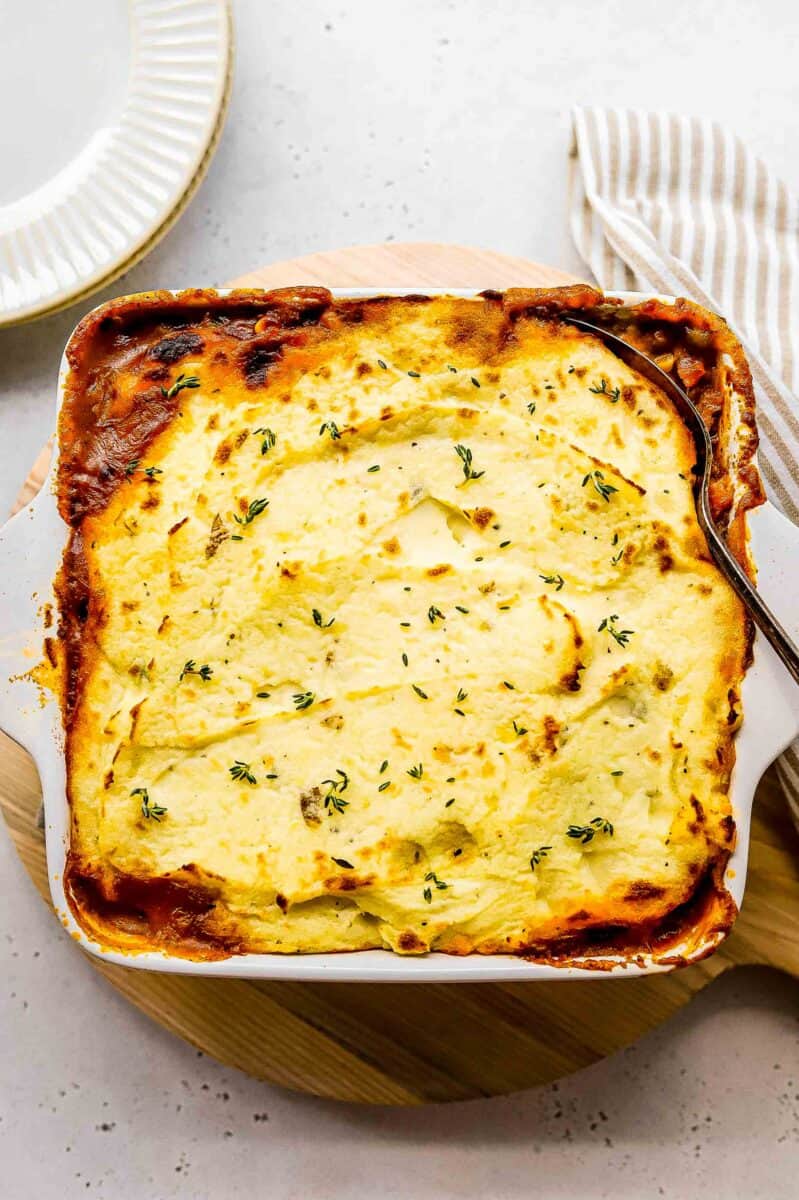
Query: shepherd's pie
[389, 623]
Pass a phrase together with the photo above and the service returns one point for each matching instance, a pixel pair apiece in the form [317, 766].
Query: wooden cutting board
[415, 1043]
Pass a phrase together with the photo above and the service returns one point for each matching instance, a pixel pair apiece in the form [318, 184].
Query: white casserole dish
[31, 545]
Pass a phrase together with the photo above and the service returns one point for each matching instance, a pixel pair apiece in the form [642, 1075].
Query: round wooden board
[416, 1043]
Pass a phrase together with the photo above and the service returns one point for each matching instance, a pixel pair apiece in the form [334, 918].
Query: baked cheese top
[409, 639]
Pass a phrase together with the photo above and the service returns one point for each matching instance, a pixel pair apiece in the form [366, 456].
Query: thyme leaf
[268, 440]
[622, 636]
[182, 381]
[439, 883]
[242, 770]
[334, 798]
[465, 455]
[190, 668]
[557, 580]
[538, 855]
[586, 833]
[605, 490]
[602, 389]
[149, 810]
[254, 509]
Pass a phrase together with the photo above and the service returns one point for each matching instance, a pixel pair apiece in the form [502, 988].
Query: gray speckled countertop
[361, 121]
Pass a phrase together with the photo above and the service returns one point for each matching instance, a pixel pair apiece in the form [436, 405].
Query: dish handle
[30, 549]
[775, 547]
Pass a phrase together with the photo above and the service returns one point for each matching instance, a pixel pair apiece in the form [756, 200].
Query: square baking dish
[31, 545]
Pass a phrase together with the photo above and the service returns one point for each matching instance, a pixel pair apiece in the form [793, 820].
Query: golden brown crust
[103, 430]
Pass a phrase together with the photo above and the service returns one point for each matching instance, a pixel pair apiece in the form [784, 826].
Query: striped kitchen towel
[677, 205]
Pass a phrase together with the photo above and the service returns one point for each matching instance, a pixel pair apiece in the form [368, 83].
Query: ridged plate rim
[121, 193]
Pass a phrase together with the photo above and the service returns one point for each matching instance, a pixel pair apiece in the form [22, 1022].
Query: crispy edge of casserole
[98, 435]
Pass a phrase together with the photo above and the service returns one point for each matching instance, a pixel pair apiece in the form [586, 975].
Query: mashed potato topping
[401, 632]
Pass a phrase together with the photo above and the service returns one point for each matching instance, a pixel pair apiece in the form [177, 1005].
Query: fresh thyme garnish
[414, 375]
[504, 545]
[449, 802]
[432, 877]
[263, 695]
[531, 407]
[605, 490]
[256, 507]
[132, 467]
[556, 579]
[435, 614]
[538, 855]
[303, 699]
[419, 692]
[383, 766]
[190, 668]
[342, 862]
[586, 833]
[519, 730]
[453, 369]
[613, 394]
[465, 455]
[510, 686]
[617, 772]
[616, 558]
[405, 660]
[332, 428]
[459, 608]
[622, 636]
[317, 619]
[384, 786]
[182, 381]
[151, 811]
[380, 363]
[268, 440]
[241, 770]
[335, 787]
[416, 772]
[461, 696]
[476, 382]
[428, 894]
[376, 467]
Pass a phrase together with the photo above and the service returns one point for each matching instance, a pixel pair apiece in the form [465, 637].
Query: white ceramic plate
[116, 108]
[30, 553]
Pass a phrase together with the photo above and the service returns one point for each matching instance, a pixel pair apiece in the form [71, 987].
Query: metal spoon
[723, 557]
